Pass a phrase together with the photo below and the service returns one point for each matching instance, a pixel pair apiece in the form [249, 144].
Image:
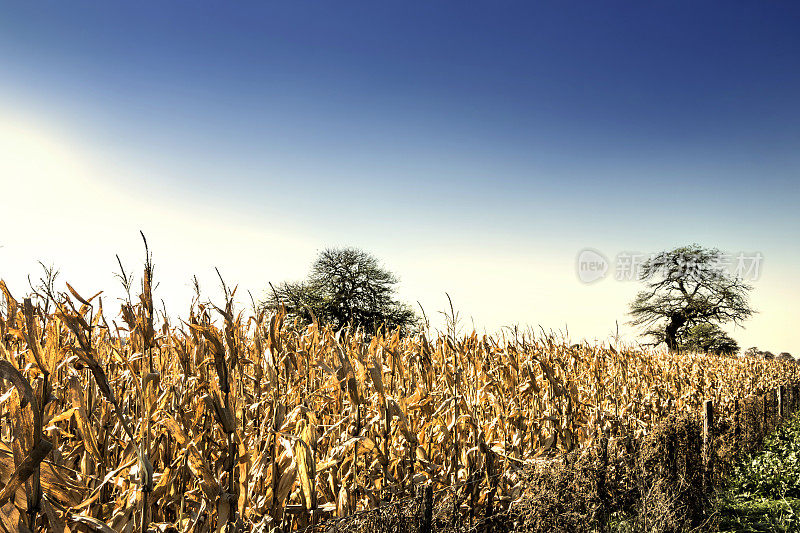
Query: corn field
[230, 421]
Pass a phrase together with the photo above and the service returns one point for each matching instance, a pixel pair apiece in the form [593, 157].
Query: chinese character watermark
[592, 266]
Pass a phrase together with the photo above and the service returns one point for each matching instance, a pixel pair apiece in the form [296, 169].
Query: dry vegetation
[251, 422]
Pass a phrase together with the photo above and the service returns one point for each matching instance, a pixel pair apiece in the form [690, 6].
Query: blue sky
[474, 147]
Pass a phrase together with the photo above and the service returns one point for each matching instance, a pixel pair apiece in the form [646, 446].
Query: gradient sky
[473, 147]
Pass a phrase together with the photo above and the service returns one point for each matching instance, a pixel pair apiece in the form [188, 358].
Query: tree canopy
[346, 286]
[685, 288]
[709, 338]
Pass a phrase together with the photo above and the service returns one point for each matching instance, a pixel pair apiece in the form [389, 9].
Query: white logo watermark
[592, 265]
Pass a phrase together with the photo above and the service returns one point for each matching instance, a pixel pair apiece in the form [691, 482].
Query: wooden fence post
[427, 510]
[419, 495]
[737, 423]
[601, 484]
[708, 427]
[787, 403]
[492, 482]
[781, 390]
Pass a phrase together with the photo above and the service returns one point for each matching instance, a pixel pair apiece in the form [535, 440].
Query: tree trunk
[676, 321]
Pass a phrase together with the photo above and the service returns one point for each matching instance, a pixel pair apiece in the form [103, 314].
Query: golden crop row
[230, 419]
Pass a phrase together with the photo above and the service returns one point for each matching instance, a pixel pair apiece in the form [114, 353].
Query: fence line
[786, 398]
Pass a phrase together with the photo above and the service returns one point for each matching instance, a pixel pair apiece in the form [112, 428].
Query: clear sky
[474, 147]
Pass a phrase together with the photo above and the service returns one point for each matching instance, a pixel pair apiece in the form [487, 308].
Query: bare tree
[686, 287]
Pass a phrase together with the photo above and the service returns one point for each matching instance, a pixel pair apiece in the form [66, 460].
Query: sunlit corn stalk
[220, 407]
[275, 352]
[78, 326]
[40, 447]
[150, 380]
